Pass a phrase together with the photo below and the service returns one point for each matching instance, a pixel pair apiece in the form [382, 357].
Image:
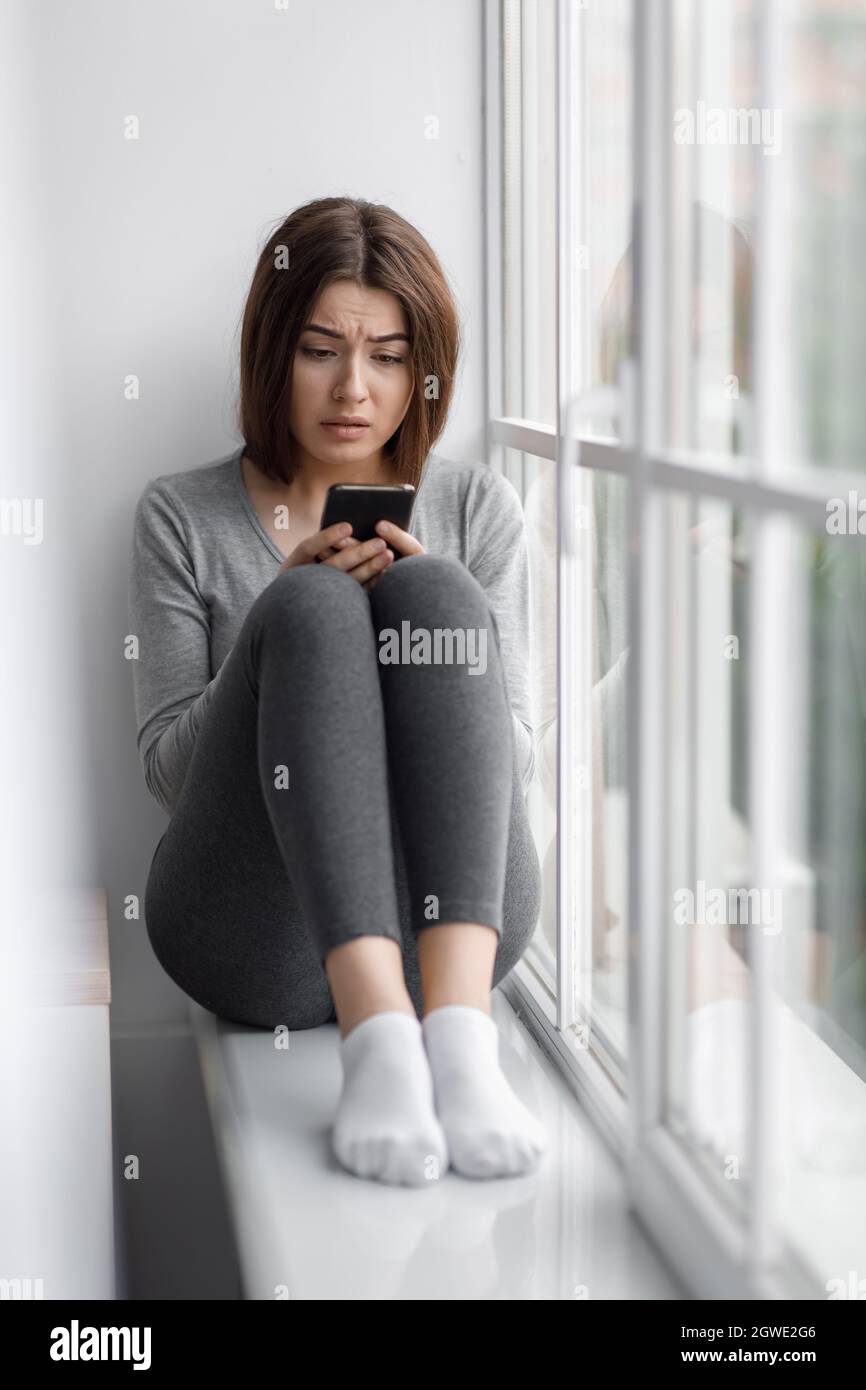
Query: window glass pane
[603, 996]
[712, 213]
[529, 210]
[825, 132]
[601, 173]
[811, 920]
[707, 661]
[596, 774]
[723, 142]
[822, 944]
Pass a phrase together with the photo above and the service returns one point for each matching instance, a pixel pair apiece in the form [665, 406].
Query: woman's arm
[172, 679]
[499, 559]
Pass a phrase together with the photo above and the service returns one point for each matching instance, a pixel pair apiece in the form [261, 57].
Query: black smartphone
[363, 504]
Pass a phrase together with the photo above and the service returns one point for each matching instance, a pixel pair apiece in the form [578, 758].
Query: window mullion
[767, 707]
[646, 554]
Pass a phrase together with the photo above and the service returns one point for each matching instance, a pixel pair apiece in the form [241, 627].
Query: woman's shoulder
[475, 484]
[189, 490]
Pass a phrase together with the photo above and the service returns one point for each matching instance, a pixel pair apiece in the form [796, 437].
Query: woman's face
[354, 362]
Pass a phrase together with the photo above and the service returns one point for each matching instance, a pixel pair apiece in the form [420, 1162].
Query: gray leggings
[403, 807]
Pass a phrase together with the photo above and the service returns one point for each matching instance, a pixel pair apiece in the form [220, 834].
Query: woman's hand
[400, 540]
[364, 560]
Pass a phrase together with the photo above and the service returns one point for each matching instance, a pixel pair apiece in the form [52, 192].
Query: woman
[348, 839]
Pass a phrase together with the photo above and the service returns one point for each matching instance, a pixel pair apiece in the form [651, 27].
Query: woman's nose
[352, 379]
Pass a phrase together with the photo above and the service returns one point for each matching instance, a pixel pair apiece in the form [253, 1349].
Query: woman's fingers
[334, 550]
[317, 546]
[373, 569]
[401, 540]
[362, 559]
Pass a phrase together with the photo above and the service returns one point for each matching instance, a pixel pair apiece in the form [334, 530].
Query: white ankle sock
[386, 1125]
[490, 1132]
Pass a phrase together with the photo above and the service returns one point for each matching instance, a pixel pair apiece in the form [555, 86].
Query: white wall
[134, 256]
[246, 110]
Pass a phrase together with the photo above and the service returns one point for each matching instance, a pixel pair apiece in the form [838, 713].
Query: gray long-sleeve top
[200, 558]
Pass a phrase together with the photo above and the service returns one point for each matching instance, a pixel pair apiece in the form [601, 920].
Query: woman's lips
[346, 431]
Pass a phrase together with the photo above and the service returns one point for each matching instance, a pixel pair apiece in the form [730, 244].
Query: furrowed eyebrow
[329, 333]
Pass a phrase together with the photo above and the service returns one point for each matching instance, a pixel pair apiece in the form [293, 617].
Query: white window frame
[717, 1253]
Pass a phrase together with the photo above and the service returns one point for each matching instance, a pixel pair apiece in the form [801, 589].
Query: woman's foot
[490, 1132]
[386, 1125]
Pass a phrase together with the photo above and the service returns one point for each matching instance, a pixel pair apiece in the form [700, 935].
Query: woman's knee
[306, 596]
[416, 580]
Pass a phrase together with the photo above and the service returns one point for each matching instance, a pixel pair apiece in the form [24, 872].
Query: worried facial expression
[352, 363]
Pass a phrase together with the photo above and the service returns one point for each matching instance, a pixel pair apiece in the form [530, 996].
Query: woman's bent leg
[465, 850]
[521, 898]
[277, 850]
[457, 794]
[251, 889]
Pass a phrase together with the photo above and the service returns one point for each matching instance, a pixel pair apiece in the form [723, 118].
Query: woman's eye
[319, 354]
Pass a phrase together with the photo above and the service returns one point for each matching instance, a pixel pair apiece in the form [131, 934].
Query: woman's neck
[312, 479]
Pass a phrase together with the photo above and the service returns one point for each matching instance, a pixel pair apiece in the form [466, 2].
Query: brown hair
[344, 239]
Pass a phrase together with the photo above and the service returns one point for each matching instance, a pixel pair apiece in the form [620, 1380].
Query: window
[676, 328]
